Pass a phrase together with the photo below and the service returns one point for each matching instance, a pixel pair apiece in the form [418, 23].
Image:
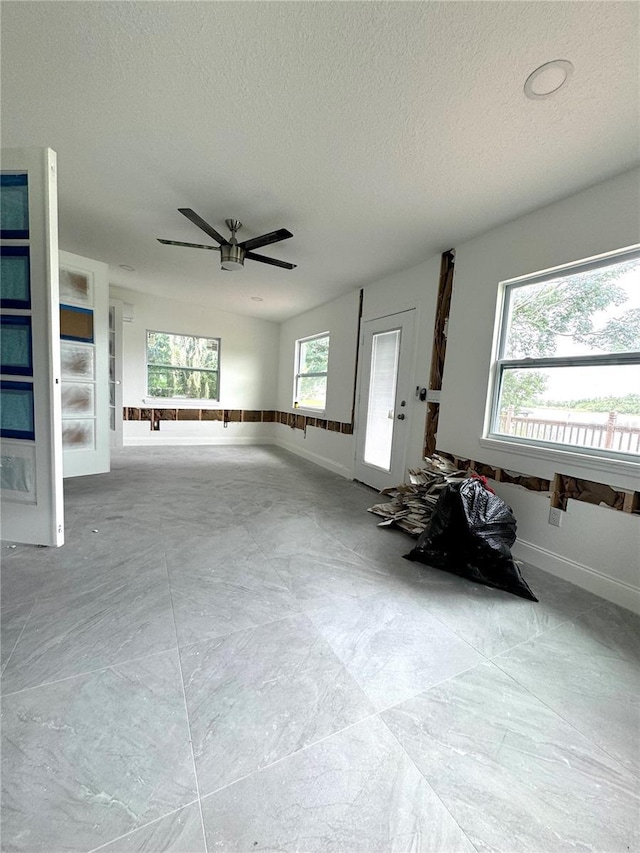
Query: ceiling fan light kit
[231, 257]
[232, 253]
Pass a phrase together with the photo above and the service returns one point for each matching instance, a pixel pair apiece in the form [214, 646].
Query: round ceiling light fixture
[547, 79]
[127, 267]
[257, 298]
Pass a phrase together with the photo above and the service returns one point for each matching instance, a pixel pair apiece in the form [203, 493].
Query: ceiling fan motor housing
[232, 256]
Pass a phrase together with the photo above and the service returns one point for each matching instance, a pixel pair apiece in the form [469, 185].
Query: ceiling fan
[232, 253]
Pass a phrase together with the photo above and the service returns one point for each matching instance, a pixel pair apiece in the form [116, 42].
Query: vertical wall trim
[355, 368]
[445, 288]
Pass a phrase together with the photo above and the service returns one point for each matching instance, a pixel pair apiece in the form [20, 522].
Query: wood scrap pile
[412, 503]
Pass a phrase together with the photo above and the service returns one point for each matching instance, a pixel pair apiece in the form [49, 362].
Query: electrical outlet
[555, 516]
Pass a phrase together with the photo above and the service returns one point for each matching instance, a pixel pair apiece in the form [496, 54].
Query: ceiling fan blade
[189, 245]
[266, 239]
[253, 257]
[199, 221]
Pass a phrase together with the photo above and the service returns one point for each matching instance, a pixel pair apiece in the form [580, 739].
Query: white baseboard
[607, 587]
[191, 440]
[322, 461]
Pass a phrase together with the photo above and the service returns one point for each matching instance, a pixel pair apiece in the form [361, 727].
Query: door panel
[115, 373]
[31, 469]
[383, 410]
[84, 331]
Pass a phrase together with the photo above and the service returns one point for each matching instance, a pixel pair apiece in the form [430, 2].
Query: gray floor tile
[90, 758]
[317, 580]
[179, 832]
[254, 503]
[347, 524]
[116, 539]
[392, 646]
[211, 548]
[241, 593]
[24, 571]
[588, 670]
[514, 775]
[88, 565]
[258, 695]
[12, 621]
[493, 621]
[141, 526]
[287, 750]
[355, 792]
[382, 544]
[281, 536]
[195, 516]
[98, 624]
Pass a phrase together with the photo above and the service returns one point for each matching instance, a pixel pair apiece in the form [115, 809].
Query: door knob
[400, 417]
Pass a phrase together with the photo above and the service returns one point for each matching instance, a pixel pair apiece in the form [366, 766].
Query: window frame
[182, 400]
[500, 364]
[297, 375]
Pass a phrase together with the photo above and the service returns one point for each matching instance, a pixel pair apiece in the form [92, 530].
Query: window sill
[625, 472]
[313, 413]
[180, 403]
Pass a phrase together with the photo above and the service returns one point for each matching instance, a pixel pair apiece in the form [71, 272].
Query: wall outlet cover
[555, 517]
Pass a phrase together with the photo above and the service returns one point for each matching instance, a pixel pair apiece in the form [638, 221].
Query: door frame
[404, 390]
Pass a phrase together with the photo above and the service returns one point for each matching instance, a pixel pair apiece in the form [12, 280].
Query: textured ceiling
[379, 133]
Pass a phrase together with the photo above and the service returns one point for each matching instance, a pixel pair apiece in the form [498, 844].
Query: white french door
[115, 373]
[84, 352]
[383, 409]
[30, 424]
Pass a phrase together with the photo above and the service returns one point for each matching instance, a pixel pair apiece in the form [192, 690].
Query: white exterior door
[383, 409]
[115, 373]
[31, 434]
[84, 351]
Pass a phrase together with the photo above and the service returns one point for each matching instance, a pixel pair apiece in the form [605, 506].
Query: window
[310, 387]
[567, 372]
[183, 366]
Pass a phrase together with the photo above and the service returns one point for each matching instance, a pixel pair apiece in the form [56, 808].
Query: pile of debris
[412, 503]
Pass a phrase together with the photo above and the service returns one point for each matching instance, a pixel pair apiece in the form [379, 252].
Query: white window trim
[587, 463]
[179, 402]
[296, 375]
[589, 458]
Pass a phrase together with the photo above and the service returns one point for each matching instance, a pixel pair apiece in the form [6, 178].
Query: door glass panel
[75, 287]
[385, 349]
[78, 435]
[77, 361]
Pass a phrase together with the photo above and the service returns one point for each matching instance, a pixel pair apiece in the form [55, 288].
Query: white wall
[248, 367]
[340, 319]
[595, 547]
[416, 288]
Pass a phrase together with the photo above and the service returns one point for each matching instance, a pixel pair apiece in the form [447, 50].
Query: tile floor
[229, 655]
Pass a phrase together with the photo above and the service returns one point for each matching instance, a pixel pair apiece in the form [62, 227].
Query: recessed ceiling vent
[547, 79]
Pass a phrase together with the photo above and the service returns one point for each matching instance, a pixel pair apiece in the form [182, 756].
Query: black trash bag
[470, 534]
